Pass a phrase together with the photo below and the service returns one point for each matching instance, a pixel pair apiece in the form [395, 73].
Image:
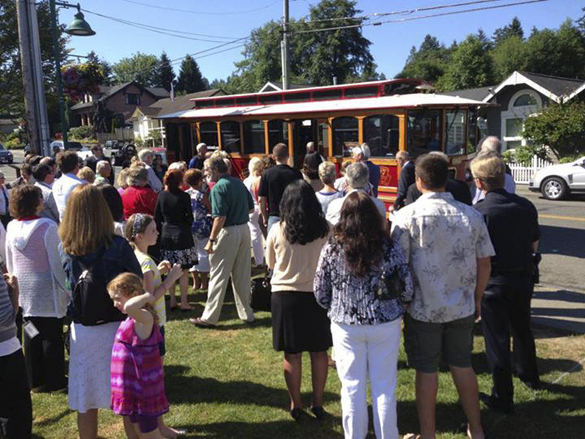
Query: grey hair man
[358, 179]
[146, 156]
[229, 244]
[357, 154]
[493, 145]
[406, 178]
[197, 161]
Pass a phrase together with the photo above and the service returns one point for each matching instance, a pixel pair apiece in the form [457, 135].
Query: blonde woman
[256, 166]
[87, 235]
[328, 193]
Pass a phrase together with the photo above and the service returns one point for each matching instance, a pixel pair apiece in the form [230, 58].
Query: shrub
[81, 133]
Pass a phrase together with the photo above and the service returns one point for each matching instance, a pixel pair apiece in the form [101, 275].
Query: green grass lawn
[228, 383]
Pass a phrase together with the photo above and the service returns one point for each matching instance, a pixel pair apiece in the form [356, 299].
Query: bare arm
[484, 268]
[263, 211]
[173, 275]
[134, 307]
[13, 290]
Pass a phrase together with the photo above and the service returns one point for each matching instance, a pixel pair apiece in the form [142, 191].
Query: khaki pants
[231, 256]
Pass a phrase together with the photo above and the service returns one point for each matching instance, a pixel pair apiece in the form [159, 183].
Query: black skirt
[299, 324]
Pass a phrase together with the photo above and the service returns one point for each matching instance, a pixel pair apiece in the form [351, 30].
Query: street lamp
[78, 27]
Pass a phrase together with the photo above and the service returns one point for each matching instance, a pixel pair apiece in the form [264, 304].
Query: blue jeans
[271, 221]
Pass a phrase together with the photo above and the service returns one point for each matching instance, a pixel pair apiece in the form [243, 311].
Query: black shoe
[495, 405]
[296, 414]
[319, 412]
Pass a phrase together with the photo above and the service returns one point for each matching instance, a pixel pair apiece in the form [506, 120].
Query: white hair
[491, 144]
[100, 165]
[356, 150]
[311, 146]
[143, 154]
[357, 175]
[200, 147]
[366, 151]
[181, 166]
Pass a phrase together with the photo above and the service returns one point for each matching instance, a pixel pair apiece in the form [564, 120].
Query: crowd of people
[77, 249]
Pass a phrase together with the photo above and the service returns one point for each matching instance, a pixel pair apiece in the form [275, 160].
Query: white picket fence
[522, 173]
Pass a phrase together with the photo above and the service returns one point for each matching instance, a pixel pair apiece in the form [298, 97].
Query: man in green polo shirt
[228, 246]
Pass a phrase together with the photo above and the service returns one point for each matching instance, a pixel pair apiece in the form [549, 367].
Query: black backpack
[91, 304]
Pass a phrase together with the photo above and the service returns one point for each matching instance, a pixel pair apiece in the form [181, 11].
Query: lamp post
[78, 27]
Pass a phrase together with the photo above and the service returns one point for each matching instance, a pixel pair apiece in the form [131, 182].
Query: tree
[190, 79]
[509, 55]
[342, 54]
[140, 67]
[93, 58]
[471, 65]
[514, 29]
[165, 74]
[11, 85]
[561, 127]
[429, 62]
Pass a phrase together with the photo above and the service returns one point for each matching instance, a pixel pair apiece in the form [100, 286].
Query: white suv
[557, 181]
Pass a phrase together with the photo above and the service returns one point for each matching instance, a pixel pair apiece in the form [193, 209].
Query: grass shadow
[54, 419]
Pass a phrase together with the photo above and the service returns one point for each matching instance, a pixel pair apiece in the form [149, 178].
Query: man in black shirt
[512, 222]
[273, 183]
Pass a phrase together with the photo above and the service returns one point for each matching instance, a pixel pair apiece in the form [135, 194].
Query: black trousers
[505, 311]
[45, 354]
[15, 402]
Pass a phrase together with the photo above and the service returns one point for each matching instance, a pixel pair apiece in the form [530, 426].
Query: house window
[523, 104]
[132, 99]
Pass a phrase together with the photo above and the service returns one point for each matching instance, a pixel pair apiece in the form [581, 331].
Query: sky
[224, 20]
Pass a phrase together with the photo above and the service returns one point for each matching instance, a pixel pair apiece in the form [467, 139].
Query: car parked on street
[558, 181]
[6, 155]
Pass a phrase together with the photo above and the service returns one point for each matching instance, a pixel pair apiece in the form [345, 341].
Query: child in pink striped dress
[138, 390]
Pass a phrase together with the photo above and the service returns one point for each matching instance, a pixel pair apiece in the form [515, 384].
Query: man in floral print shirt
[448, 250]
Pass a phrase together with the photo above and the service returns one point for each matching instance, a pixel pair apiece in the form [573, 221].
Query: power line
[188, 11]
[159, 30]
[402, 20]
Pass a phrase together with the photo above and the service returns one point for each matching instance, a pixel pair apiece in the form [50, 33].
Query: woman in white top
[32, 255]
[328, 193]
[252, 182]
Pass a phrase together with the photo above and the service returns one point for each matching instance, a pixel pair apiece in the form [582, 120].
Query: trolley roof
[406, 101]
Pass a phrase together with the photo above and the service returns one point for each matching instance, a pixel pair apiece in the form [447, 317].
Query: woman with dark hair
[364, 283]
[310, 171]
[293, 247]
[87, 235]
[114, 200]
[174, 217]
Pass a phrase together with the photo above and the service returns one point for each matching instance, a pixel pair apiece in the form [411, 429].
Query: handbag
[390, 286]
[261, 293]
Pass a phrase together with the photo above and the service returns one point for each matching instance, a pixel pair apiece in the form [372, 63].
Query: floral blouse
[354, 300]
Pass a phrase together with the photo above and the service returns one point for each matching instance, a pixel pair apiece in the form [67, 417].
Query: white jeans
[362, 351]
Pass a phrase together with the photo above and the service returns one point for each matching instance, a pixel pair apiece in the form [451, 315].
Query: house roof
[557, 85]
[478, 94]
[277, 86]
[416, 100]
[182, 103]
[108, 91]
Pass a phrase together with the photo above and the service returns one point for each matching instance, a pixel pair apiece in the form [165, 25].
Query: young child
[201, 226]
[141, 232]
[138, 389]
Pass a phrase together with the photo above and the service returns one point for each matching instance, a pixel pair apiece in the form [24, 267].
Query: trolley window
[254, 137]
[472, 136]
[382, 134]
[455, 132]
[230, 136]
[424, 131]
[277, 133]
[345, 135]
[209, 133]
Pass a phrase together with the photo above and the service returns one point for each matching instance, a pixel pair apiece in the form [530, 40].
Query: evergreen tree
[509, 55]
[165, 75]
[429, 62]
[139, 67]
[93, 57]
[471, 66]
[514, 29]
[190, 79]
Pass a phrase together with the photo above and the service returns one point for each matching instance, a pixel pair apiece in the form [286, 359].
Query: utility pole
[284, 47]
[27, 75]
[57, 55]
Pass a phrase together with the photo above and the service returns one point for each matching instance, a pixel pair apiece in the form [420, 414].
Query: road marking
[568, 218]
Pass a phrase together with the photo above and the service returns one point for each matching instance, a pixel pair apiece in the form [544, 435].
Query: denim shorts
[426, 343]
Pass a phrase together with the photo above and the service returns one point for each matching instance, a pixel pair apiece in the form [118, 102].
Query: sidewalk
[559, 308]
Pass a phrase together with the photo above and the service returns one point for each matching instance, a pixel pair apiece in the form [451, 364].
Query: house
[144, 118]
[117, 103]
[519, 96]
[8, 125]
